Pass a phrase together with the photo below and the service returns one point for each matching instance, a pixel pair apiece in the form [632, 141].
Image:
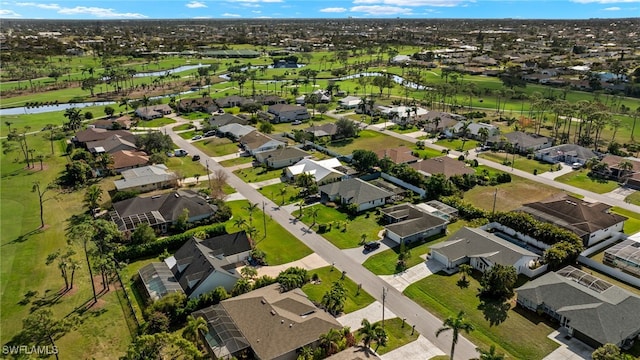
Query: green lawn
[384, 263]
[580, 180]
[195, 115]
[182, 127]
[403, 129]
[633, 198]
[273, 192]
[328, 275]
[236, 161]
[367, 140]
[215, 146]
[521, 162]
[186, 167]
[280, 246]
[427, 153]
[187, 134]
[155, 122]
[509, 196]
[257, 174]
[456, 144]
[345, 232]
[518, 333]
[632, 225]
[397, 335]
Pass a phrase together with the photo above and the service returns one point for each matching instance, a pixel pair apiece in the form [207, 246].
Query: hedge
[170, 243]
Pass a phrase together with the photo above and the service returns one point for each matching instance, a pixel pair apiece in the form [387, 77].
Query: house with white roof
[146, 178]
[323, 171]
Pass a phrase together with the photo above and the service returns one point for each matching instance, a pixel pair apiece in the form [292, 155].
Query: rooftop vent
[263, 301]
[273, 312]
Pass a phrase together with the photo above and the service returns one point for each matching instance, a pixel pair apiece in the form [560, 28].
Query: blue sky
[243, 9]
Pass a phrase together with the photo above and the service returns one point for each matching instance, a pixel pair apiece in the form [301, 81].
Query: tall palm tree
[368, 331]
[240, 222]
[625, 166]
[465, 269]
[464, 132]
[455, 324]
[195, 326]
[250, 208]
[92, 196]
[490, 354]
[329, 341]
[314, 214]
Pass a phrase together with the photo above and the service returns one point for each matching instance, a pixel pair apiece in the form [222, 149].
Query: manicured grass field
[280, 246]
[632, 225]
[186, 167]
[384, 263]
[403, 130]
[521, 162]
[273, 192]
[345, 232]
[159, 122]
[355, 300]
[182, 127]
[518, 333]
[257, 174]
[427, 153]
[236, 161]
[580, 180]
[187, 134]
[456, 144]
[397, 335]
[633, 198]
[510, 196]
[216, 146]
[368, 140]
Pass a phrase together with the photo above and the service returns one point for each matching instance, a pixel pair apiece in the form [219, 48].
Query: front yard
[456, 144]
[521, 162]
[343, 231]
[580, 180]
[257, 174]
[186, 167]
[273, 192]
[215, 146]
[519, 333]
[367, 140]
[159, 122]
[356, 300]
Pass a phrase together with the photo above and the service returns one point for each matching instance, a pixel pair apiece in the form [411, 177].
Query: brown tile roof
[442, 165]
[127, 158]
[614, 160]
[93, 134]
[399, 155]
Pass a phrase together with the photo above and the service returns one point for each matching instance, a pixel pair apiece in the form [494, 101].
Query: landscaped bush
[170, 243]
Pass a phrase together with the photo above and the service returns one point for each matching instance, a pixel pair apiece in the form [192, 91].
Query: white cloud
[604, 1]
[257, 1]
[256, 11]
[230, 15]
[196, 4]
[333, 10]
[381, 10]
[41, 6]
[613, 8]
[4, 13]
[439, 3]
[99, 12]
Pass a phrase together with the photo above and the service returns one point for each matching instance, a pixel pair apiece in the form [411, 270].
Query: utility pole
[384, 297]
[208, 174]
[264, 219]
[495, 196]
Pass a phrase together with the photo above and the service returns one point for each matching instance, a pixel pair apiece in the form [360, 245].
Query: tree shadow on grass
[24, 237]
[494, 311]
[463, 283]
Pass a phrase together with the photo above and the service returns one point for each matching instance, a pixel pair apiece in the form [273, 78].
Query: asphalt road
[426, 323]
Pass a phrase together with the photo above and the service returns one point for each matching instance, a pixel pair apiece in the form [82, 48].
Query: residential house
[268, 323]
[588, 308]
[350, 102]
[271, 100]
[111, 145]
[592, 222]
[83, 137]
[399, 155]
[404, 114]
[521, 141]
[123, 122]
[323, 171]
[198, 267]
[442, 165]
[202, 104]
[256, 142]
[226, 119]
[279, 158]
[323, 97]
[566, 153]
[473, 130]
[235, 131]
[147, 178]
[153, 111]
[320, 131]
[618, 172]
[625, 255]
[356, 192]
[128, 159]
[407, 222]
[438, 121]
[288, 113]
[231, 101]
[482, 250]
[160, 211]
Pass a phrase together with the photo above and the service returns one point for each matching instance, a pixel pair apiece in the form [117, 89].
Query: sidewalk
[419, 349]
[402, 280]
[373, 313]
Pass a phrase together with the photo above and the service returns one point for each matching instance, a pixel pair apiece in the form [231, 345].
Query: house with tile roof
[266, 322]
[83, 137]
[482, 250]
[198, 267]
[111, 144]
[592, 222]
[442, 165]
[521, 141]
[153, 111]
[226, 119]
[128, 159]
[355, 191]
[399, 155]
[282, 157]
[589, 308]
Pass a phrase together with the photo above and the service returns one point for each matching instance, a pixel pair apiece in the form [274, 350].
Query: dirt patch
[37, 167]
[510, 196]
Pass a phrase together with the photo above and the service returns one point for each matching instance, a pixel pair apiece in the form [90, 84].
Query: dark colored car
[195, 157]
[371, 245]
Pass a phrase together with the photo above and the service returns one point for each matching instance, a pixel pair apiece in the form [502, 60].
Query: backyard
[356, 300]
[344, 231]
[581, 180]
[518, 333]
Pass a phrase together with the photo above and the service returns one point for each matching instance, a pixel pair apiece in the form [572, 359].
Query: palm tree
[283, 191]
[8, 123]
[92, 196]
[624, 166]
[370, 332]
[240, 223]
[489, 354]
[195, 326]
[483, 133]
[314, 214]
[464, 131]
[300, 204]
[465, 269]
[250, 208]
[455, 324]
[329, 341]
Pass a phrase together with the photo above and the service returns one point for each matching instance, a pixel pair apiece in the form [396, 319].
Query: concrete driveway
[360, 255]
[373, 313]
[402, 280]
[570, 349]
[308, 262]
[419, 349]
[554, 174]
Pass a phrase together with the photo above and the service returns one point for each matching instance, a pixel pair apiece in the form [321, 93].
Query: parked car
[576, 166]
[371, 245]
[180, 152]
[297, 122]
[195, 157]
[197, 137]
[209, 133]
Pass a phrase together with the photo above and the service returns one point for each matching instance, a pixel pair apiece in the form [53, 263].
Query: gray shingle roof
[355, 191]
